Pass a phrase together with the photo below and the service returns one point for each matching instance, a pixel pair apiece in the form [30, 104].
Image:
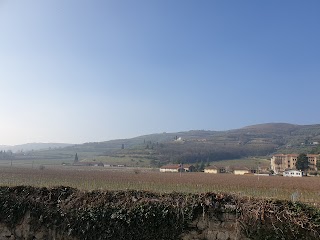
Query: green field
[253, 162]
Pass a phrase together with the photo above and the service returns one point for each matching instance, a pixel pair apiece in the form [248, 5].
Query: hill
[32, 146]
[192, 146]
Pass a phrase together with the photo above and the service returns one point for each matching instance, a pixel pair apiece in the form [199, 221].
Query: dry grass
[305, 189]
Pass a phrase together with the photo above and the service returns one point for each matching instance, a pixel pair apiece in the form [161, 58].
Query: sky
[75, 71]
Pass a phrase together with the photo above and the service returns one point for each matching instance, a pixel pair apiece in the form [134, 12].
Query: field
[252, 162]
[305, 189]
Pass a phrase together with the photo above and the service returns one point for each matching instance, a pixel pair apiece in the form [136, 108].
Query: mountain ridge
[32, 146]
[194, 145]
[165, 135]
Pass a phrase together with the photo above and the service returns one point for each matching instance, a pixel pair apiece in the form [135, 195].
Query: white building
[177, 168]
[211, 169]
[240, 170]
[292, 173]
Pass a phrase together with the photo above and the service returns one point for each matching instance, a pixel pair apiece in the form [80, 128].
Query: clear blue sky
[79, 71]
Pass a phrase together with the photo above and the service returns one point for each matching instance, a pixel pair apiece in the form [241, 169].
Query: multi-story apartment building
[281, 162]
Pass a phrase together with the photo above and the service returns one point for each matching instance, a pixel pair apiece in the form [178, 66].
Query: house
[171, 168]
[281, 162]
[292, 173]
[177, 168]
[240, 170]
[211, 169]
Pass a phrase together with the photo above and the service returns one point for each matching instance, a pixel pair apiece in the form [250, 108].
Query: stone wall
[208, 227]
[69, 214]
[24, 230]
[211, 227]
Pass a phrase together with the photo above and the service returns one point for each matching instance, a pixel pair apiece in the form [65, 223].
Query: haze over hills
[192, 146]
[32, 146]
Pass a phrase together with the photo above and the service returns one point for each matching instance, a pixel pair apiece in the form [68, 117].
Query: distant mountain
[33, 146]
[194, 146]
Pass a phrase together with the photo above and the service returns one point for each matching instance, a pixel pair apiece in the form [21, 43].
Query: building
[88, 164]
[292, 173]
[281, 162]
[177, 168]
[170, 168]
[211, 169]
[312, 159]
[240, 170]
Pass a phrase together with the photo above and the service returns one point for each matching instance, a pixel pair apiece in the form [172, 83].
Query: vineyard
[85, 178]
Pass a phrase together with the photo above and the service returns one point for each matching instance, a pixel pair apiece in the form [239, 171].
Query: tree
[76, 159]
[202, 166]
[318, 164]
[302, 162]
[153, 162]
[197, 166]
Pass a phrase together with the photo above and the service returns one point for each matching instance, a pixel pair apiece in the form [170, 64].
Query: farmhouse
[177, 168]
[211, 169]
[240, 170]
[292, 173]
[170, 168]
[281, 162]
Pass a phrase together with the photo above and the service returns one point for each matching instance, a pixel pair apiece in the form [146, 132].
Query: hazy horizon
[71, 143]
[88, 71]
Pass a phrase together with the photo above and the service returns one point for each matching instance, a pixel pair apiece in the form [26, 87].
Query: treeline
[4, 155]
